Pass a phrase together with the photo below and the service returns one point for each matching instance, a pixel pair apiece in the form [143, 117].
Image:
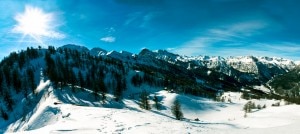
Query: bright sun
[34, 22]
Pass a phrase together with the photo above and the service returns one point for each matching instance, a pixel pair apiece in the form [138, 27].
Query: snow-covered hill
[62, 112]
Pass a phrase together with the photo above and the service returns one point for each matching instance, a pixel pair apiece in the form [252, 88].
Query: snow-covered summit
[98, 51]
[122, 55]
[159, 54]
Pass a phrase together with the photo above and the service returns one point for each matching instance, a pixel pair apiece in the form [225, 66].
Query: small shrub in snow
[277, 104]
[218, 99]
[259, 106]
[245, 115]
[222, 99]
[252, 105]
[287, 103]
[249, 106]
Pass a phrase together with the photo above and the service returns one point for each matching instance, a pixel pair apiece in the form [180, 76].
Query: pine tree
[176, 110]
[95, 90]
[144, 98]
[8, 101]
[80, 80]
[157, 105]
[103, 90]
[16, 80]
[119, 88]
[73, 80]
[4, 114]
[30, 75]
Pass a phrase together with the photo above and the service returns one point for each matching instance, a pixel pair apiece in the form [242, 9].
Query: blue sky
[188, 27]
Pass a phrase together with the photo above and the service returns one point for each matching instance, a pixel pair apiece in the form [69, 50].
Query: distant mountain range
[245, 69]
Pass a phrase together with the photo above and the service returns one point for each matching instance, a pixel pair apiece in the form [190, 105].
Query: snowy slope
[214, 117]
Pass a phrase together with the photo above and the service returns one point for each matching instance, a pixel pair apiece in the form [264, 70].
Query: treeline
[67, 67]
[172, 78]
[15, 78]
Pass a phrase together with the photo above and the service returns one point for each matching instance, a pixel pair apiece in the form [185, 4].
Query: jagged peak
[98, 51]
[145, 51]
[126, 53]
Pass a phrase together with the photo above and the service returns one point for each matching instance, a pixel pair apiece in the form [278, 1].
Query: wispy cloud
[238, 30]
[109, 39]
[287, 47]
[140, 19]
[193, 47]
[222, 37]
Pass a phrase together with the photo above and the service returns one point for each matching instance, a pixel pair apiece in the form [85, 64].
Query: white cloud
[109, 39]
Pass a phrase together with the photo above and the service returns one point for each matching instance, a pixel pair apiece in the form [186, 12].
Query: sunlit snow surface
[214, 117]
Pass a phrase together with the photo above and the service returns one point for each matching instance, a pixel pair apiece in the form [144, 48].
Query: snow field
[214, 117]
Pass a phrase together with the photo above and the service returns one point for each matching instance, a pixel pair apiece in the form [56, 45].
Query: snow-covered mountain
[250, 69]
[287, 84]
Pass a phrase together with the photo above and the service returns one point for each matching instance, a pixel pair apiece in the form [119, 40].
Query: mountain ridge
[247, 68]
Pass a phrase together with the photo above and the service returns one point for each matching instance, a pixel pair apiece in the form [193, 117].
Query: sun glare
[34, 22]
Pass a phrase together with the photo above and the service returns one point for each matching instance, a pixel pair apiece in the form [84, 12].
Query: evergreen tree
[31, 83]
[136, 80]
[144, 98]
[95, 90]
[80, 80]
[157, 104]
[73, 80]
[119, 88]
[25, 87]
[176, 110]
[16, 80]
[103, 90]
[22, 58]
[8, 101]
[4, 114]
